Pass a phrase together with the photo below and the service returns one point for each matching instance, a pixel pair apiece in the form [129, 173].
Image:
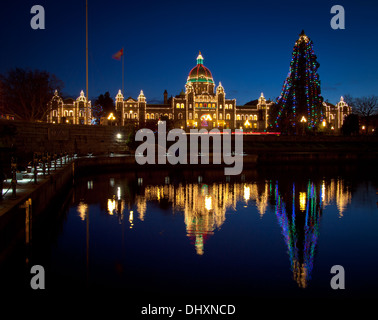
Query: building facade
[202, 105]
[70, 111]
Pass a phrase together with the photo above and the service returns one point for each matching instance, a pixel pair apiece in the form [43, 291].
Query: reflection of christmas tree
[299, 218]
[299, 106]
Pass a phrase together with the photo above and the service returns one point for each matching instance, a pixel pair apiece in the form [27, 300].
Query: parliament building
[203, 105]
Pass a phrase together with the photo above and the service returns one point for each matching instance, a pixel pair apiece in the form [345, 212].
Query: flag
[118, 55]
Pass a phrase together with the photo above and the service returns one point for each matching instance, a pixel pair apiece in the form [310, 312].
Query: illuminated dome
[200, 73]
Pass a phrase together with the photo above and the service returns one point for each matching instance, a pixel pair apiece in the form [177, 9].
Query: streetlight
[303, 121]
[111, 118]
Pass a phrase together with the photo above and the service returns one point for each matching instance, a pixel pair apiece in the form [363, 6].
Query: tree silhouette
[26, 93]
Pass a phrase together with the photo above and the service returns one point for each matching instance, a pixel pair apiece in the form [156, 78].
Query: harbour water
[274, 231]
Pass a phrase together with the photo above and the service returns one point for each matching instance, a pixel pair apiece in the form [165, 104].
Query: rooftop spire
[200, 58]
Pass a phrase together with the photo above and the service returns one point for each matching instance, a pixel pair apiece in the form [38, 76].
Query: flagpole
[123, 73]
[86, 45]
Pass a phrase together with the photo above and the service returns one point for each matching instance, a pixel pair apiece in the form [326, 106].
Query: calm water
[273, 231]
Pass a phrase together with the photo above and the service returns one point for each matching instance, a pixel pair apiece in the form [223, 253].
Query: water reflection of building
[204, 207]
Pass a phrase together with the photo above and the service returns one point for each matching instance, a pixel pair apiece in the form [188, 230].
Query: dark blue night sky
[247, 45]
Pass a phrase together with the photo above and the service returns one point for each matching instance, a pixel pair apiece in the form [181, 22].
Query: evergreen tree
[300, 105]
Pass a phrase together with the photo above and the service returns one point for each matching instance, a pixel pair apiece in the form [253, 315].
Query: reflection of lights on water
[90, 185]
[247, 193]
[208, 203]
[82, 210]
[111, 182]
[302, 201]
[131, 218]
[119, 193]
[111, 206]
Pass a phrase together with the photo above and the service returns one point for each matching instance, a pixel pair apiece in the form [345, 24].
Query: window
[55, 114]
[178, 106]
[214, 116]
[182, 106]
[220, 116]
[220, 107]
[230, 106]
[238, 117]
[196, 116]
[200, 105]
[126, 116]
[135, 116]
[213, 105]
[71, 113]
[255, 117]
[147, 116]
[190, 116]
[228, 117]
[190, 106]
[226, 106]
[170, 116]
[196, 105]
[180, 116]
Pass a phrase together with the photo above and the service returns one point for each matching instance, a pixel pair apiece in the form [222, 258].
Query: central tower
[200, 78]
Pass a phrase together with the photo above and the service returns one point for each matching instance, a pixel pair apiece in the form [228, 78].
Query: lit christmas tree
[300, 105]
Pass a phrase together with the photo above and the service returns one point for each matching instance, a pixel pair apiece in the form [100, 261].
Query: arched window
[152, 116]
[147, 116]
[214, 116]
[228, 117]
[178, 106]
[196, 105]
[55, 113]
[190, 116]
[182, 106]
[126, 116]
[242, 116]
[226, 106]
[135, 116]
[220, 116]
[238, 117]
[230, 106]
[71, 113]
[180, 116]
[200, 105]
[196, 116]
[255, 117]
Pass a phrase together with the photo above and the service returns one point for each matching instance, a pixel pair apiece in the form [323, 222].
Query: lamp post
[303, 121]
[111, 118]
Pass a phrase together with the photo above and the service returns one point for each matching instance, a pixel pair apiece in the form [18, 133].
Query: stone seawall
[25, 138]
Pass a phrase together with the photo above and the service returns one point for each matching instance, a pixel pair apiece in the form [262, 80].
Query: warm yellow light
[111, 116]
[206, 117]
[131, 218]
[119, 136]
[302, 201]
[82, 210]
[303, 119]
[208, 203]
[247, 193]
[111, 206]
[324, 123]
[363, 127]
[247, 123]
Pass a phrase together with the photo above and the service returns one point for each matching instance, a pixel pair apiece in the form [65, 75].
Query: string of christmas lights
[300, 99]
